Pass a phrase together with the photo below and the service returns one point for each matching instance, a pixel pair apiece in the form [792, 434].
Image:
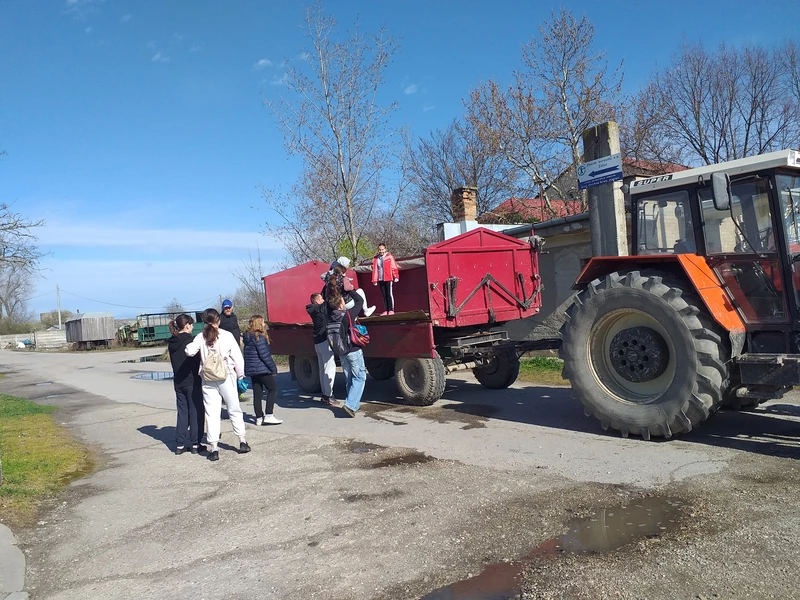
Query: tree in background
[19, 260]
[50, 318]
[174, 307]
[537, 122]
[454, 157]
[331, 118]
[707, 106]
[249, 298]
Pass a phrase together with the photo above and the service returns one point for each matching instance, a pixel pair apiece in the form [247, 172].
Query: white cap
[344, 261]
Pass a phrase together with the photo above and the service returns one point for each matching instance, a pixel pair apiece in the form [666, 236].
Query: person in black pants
[261, 369]
[188, 387]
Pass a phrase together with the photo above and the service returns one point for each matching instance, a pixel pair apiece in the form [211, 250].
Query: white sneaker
[271, 420]
[369, 310]
[259, 420]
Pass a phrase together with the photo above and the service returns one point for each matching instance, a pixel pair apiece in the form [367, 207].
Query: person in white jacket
[212, 338]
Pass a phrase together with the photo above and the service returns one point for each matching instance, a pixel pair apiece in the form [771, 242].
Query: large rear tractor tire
[501, 372]
[643, 355]
[421, 381]
[306, 371]
[380, 368]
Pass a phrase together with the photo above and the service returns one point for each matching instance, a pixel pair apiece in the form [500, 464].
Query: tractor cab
[743, 217]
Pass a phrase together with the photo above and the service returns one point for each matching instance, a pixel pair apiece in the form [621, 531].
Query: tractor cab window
[747, 227]
[789, 195]
[665, 224]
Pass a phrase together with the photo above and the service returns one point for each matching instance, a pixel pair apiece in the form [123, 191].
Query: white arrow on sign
[600, 171]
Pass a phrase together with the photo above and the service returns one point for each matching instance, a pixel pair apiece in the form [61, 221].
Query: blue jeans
[355, 375]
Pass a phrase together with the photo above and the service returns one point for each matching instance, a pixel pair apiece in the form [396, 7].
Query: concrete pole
[606, 202]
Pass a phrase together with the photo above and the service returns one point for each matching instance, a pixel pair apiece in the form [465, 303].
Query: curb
[12, 567]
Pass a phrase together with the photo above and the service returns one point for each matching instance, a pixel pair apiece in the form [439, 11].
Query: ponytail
[210, 333]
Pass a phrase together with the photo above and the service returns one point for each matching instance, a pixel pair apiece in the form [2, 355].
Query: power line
[41, 296]
[129, 306]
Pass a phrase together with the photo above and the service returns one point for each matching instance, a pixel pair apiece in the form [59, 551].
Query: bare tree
[174, 307]
[249, 297]
[16, 285]
[709, 107]
[453, 157]
[537, 122]
[332, 119]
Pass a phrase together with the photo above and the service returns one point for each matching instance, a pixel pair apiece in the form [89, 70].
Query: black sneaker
[326, 400]
[181, 449]
[244, 448]
[214, 455]
[198, 449]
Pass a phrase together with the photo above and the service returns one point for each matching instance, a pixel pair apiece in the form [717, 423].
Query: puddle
[45, 383]
[473, 416]
[141, 359]
[154, 375]
[411, 458]
[604, 531]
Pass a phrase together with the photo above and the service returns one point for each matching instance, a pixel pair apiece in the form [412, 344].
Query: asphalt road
[404, 502]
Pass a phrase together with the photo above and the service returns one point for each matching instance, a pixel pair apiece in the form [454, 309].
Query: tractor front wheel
[643, 355]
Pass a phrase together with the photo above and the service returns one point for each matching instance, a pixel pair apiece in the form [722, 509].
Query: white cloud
[89, 29]
[159, 57]
[262, 63]
[429, 107]
[80, 8]
[411, 89]
[151, 45]
[125, 18]
[282, 80]
[303, 56]
[195, 48]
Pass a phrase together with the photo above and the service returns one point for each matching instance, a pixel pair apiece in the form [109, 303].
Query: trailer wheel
[643, 355]
[306, 371]
[501, 372]
[380, 368]
[421, 381]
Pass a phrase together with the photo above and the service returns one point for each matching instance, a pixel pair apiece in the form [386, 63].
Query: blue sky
[136, 129]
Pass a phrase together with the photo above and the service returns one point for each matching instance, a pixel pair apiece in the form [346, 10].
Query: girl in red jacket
[384, 273]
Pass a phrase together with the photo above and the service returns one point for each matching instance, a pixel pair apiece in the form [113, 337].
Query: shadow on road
[772, 429]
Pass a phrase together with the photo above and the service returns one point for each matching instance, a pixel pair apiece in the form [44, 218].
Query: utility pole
[58, 299]
[606, 201]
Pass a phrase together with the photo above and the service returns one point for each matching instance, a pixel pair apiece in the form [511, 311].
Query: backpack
[214, 368]
[338, 343]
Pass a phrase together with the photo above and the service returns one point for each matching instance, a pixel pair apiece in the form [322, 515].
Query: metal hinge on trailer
[451, 284]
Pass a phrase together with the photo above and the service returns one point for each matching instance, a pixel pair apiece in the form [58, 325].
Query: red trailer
[448, 304]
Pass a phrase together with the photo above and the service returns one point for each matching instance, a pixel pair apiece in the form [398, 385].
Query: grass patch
[541, 369]
[39, 458]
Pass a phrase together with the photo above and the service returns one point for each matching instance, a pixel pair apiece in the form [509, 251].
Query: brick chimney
[464, 201]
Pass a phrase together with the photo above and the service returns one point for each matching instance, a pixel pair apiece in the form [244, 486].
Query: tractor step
[779, 370]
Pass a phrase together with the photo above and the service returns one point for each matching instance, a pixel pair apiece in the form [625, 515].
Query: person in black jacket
[327, 363]
[350, 356]
[260, 367]
[229, 321]
[188, 387]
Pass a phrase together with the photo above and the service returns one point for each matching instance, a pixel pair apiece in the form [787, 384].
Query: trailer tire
[380, 368]
[421, 381]
[306, 371]
[501, 372]
[643, 355]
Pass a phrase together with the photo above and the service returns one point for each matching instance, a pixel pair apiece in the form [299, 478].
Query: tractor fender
[697, 272]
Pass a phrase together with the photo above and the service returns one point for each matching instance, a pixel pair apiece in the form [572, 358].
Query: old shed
[91, 329]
